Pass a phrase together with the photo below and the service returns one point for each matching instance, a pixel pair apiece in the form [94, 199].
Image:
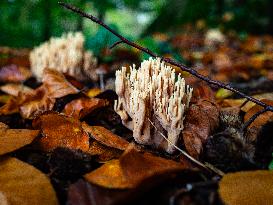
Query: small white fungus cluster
[65, 54]
[152, 94]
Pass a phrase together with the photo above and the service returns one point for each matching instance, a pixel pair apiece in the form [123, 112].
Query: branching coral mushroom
[65, 54]
[152, 94]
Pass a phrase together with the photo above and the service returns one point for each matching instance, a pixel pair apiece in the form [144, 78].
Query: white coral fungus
[65, 54]
[152, 93]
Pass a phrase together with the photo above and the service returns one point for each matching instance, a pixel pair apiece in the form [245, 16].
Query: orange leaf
[61, 131]
[22, 184]
[81, 107]
[35, 102]
[13, 139]
[57, 85]
[106, 137]
[261, 119]
[248, 187]
[132, 169]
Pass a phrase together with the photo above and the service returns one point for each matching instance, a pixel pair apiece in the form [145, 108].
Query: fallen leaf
[56, 84]
[13, 139]
[223, 93]
[132, 169]
[106, 137]
[261, 119]
[61, 131]
[14, 89]
[102, 152]
[109, 175]
[84, 193]
[248, 187]
[81, 107]
[13, 73]
[29, 104]
[35, 102]
[138, 167]
[22, 184]
[10, 107]
[201, 119]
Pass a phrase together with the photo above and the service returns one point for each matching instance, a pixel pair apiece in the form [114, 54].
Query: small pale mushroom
[152, 99]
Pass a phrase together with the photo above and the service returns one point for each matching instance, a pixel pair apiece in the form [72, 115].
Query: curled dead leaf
[13, 139]
[56, 84]
[81, 107]
[201, 120]
[105, 136]
[249, 187]
[61, 131]
[132, 169]
[102, 152]
[35, 102]
[14, 89]
[22, 184]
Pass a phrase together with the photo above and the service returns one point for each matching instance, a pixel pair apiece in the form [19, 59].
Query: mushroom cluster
[152, 101]
[65, 54]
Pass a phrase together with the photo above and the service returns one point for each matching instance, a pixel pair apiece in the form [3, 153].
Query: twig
[210, 167]
[115, 44]
[169, 60]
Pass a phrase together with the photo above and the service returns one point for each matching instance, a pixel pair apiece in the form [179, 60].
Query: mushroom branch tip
[152, 92]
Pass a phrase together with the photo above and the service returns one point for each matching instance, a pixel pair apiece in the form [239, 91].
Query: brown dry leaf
[81, 107]
[14, 89]
[132, 169]
[109, 175]
[248, 187]
[57, 85]
[261, 119]
[103, 153]
[13, 139]
[13, 73]
[10, 107]
[61, 131]
[105, 136]
[35, 102]
[29, 104]
[22, 184]
[201, 120]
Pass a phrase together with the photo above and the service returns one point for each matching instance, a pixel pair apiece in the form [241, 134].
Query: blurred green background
[27, 23]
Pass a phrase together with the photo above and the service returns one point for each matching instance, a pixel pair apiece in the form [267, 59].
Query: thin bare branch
[115, 44]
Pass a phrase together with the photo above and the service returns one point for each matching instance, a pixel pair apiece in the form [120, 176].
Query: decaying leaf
[102, 152]
[10, 107]
[261, 119]
[132, 169]
[84, 193]
[83, 106]
[13, 73]
[61, 131]
[35, 102]
[14, 89]
[106, 137]
[57, 85]
[201, 120]
[22, 184]
[13, 139]
[249, 187]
